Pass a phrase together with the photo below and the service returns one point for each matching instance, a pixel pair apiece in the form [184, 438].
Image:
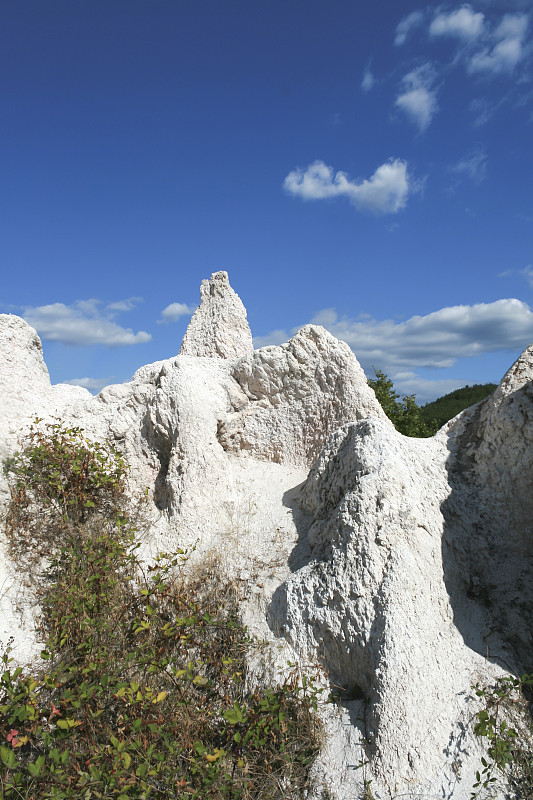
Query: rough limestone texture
[287, 400]
[219, 327]
[403, 567]
[489, 515]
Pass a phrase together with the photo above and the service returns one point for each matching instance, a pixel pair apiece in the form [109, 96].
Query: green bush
[141, 692]
[509, 743]
[403, 412]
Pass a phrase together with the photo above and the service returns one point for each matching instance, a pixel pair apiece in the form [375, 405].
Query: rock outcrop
[219, 327]
[287, 400]
[402, 566]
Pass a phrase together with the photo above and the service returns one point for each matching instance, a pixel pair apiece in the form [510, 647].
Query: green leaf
[234, 715]
[8, 757]
[35, 769]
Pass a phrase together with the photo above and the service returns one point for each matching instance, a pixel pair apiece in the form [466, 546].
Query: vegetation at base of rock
[448, 406]
[509, 745]
[402, 411]
[142, 690]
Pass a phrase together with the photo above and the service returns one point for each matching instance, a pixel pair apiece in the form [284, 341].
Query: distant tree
[402, 411]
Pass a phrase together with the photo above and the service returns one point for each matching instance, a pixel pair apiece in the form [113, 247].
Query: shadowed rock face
[400, 564]
[418, 580]
[489, 517]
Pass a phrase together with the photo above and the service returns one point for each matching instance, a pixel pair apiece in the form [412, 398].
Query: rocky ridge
[403, 566]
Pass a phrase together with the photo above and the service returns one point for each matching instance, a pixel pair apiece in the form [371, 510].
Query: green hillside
[423, 421]
[444, 408]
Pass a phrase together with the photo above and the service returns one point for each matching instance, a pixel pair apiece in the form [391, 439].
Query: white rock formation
[404, 566]
[218, 326]
[288, 399]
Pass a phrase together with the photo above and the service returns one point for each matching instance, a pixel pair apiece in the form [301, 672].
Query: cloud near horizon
[94, 385]
[437, 339]
[385, 192]
[83, 324]
[174, 311]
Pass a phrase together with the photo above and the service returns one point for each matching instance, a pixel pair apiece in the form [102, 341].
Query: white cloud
[463, 23]
[406, 26]
[369, 81]
[506, 49]
[437, 339]
[473, 166]
[124, 305]
[418, 98]
[174, 311]
[274, 337]
[385, 192]
[81, 324]
[94, 385]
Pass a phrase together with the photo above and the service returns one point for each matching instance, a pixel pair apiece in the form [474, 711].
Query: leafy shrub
[142, 688]
[509, 745]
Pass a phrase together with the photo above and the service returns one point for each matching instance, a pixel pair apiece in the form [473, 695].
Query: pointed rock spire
[219, 327]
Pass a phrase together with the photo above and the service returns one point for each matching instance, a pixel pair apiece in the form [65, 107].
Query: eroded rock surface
[403, 566]
[219, 327]
[287, 400]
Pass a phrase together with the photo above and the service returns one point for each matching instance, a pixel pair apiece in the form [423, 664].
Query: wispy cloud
[174, 311]
[506, 48]
[463, 23]
[385, 192]
[369, 81]
[526, 273]
[418, 97]
[487, 44]
[472, 166]
[83, 323]
[124, 305]
[406, 27]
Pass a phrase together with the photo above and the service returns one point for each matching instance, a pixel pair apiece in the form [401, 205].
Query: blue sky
[367, 166]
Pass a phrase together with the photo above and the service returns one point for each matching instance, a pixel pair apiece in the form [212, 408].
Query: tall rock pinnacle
[219, 327]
